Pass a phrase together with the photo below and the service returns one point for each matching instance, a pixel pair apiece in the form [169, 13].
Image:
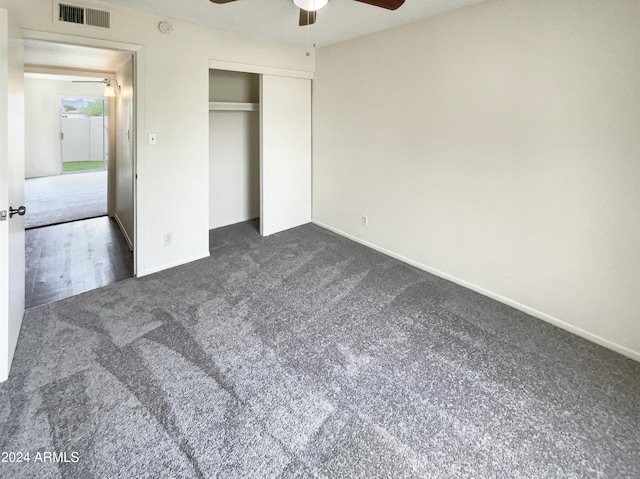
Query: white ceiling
[38, 53]
[66, 78]
[278, 19]
[270, 19]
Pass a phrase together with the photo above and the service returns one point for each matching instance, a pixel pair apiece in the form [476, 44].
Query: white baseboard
[176, 263]
[635, 355]
[124, 231]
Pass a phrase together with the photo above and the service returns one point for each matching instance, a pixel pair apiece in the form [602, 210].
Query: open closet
[234, 147]
[259, 149]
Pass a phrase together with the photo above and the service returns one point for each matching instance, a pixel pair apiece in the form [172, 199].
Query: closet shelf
[232, 106]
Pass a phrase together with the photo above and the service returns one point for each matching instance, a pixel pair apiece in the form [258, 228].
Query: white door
[285, 160]
[11, 190]
[124, 166]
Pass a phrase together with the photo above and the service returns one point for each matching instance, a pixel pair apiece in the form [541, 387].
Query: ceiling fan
[309, 8]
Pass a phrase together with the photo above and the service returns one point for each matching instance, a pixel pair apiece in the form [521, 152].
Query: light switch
[153, 139]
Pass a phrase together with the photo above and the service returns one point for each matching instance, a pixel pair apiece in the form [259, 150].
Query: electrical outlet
[365, 220]
[168, 239]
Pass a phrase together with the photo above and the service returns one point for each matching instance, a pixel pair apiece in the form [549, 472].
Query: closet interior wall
[234, 147]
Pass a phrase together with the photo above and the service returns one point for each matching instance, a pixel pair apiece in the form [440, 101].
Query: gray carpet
[58, 199]
[306, 355]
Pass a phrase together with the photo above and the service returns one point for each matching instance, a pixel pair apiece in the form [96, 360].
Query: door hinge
[61, 135]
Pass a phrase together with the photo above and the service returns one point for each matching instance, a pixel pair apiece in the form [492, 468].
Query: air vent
[71, 14]
[83, 16]
[98, 18]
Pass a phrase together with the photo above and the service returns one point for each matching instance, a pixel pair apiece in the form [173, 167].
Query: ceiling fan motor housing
[311, 5]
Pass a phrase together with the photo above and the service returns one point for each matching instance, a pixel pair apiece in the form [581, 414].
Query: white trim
[50, 37]
[262, 69]
[124, 231]
[157, 269]
[67, 71]
[139, 132]
[635, 355]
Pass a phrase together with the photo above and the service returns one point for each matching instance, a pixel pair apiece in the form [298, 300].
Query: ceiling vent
[71, 14]
[98, 18]
[83, 16]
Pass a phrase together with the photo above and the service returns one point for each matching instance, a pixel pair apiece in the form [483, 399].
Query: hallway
[71, 258]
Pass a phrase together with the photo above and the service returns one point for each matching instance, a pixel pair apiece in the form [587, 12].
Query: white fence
[86, 138]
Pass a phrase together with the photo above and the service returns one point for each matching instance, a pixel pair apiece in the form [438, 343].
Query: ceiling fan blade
[388, 4]
[221, 1]
[307, 18]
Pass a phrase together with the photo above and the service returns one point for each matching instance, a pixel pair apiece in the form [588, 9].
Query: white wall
[234, 170]
[42, 119]
[498, 145]
[234, 86]
[173, 176]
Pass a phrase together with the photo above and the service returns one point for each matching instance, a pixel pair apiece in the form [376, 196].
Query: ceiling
[67, 78]
[278, 19]
[275, 20]
[38, 53]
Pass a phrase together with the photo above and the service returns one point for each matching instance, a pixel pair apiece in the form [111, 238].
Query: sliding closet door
[285, 160]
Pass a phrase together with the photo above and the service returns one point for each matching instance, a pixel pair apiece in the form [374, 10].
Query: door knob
[17, 211]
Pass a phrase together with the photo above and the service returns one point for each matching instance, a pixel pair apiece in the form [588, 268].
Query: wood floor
[71, 258]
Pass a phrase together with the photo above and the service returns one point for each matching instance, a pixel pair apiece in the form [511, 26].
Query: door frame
[137, 51]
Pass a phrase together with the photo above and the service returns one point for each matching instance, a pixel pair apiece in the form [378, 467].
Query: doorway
[82, 159]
